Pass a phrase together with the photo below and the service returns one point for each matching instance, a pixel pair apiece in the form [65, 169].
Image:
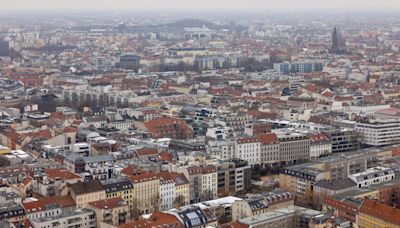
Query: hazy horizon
[93, 5]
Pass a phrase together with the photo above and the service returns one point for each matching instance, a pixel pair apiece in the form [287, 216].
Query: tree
[179, 201]
[207, 194]
[155, 202]
[134, 209]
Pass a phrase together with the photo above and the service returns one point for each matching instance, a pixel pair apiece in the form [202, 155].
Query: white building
[320, 144]
[209, 182]
[81, 149]
[379, 132]
[217, 132]
[364, 110]
[248, 149]
[372, 176]
[167, 194]
[83, 218]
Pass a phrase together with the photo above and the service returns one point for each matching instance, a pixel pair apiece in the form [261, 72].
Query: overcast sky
[198, 4]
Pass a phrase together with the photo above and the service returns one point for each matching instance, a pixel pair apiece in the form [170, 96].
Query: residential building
[248, 149]
[379, 132]
[269, 149]
[373, 214]
[114, 211]
[372, 176]
[85, 192]
[84, 218]
[261, 204]
[120, 188]
[320, 145]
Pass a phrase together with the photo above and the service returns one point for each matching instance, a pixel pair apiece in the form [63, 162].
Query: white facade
[167, 194]
[217, 132]
[318, 149]
[81, 148]
[209, 183]
[379, 132]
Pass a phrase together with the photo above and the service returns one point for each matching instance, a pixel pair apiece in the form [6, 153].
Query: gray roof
[336, 184]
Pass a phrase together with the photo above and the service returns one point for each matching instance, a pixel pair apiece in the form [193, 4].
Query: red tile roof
[381, 211]
[62, 174]
[39, 205]
[108, 203]
[267, 139]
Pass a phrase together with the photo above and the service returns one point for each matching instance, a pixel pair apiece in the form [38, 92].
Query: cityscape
[212, 114]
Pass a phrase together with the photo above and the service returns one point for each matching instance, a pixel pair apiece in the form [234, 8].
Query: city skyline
[356, 5]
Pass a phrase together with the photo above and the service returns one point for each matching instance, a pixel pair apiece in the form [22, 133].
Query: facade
[377, 132]
[84, 218]
[167, 192]
[293, 147]
[320, 144]
[345, 140]
[120, 188]
[129, 62]
[269, 149]
[298, 67]
[146, 191]
[114, 211]
[233, 176]
[248, 149]
[261, 204]
[86, 192]
[209, 182]
[373, 214]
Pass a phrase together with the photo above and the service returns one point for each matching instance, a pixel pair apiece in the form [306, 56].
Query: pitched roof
[43, 203]
[62, 174]
[108, 203]
[146, 151]
[336, 184]
[81, 188]
[381, 211]
[269, 138]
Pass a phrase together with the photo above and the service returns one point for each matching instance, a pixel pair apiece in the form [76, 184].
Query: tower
[338, 44]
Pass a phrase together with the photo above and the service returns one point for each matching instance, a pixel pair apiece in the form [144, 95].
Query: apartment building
[294, 147]
[120, 188]
[261, 204]
[84, 218]
[373, 214]
[372, 176]
[86, 192]
[269, 149]
[248, 149]
[113, 211]
[379, 132]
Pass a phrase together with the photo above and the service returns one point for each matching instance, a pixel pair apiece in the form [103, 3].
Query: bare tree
[179, 201]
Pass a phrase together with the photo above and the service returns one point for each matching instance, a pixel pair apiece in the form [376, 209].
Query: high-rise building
[129, 62]
[338, 44]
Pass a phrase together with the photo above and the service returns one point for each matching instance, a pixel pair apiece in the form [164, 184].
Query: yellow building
[182, 188]
[85, 192]
[146, 191]
[120, 188]
[4, 150]
[373, 214]
[261, 204]
[114, 211]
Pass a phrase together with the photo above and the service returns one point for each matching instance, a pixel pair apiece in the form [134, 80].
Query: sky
[370, 5]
